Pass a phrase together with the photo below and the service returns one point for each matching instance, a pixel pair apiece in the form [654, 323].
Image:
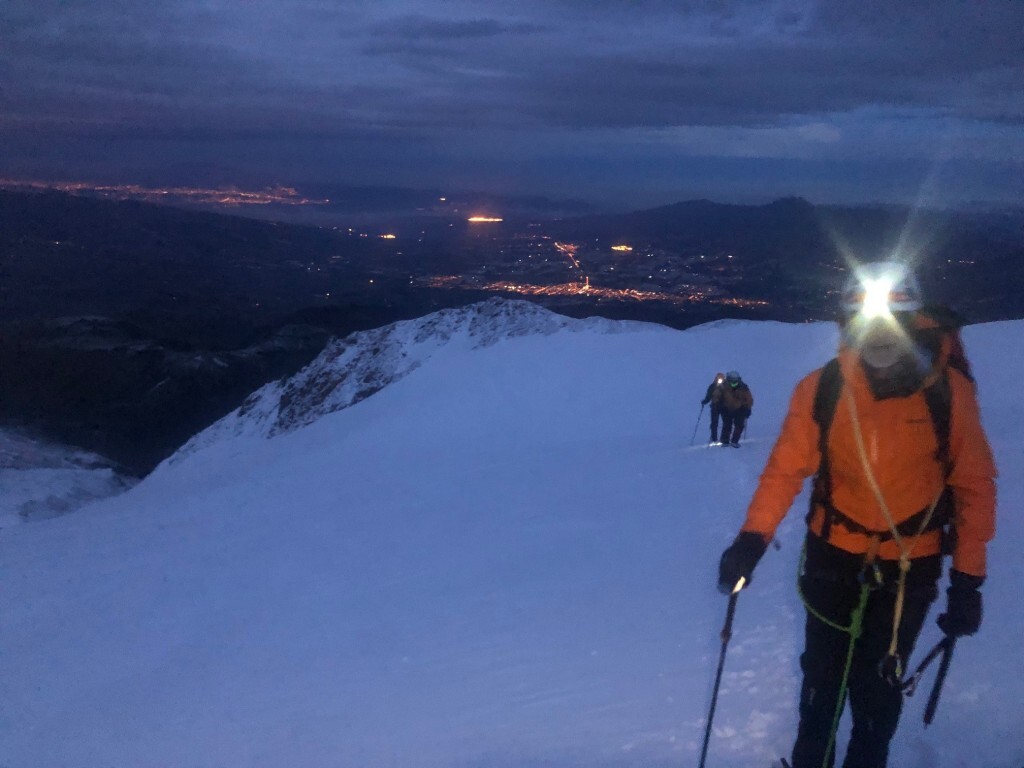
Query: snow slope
[505, 558]
[41, 479]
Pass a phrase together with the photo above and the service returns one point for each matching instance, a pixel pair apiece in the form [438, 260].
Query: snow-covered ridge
[352, 369]
[41, 479]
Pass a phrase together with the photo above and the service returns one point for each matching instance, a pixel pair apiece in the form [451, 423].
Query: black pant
[733, 423]
[714, 422]
[831, 586]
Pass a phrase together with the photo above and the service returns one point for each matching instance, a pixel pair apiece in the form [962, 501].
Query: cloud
[782, 76]
[421, 27]
[651, 63]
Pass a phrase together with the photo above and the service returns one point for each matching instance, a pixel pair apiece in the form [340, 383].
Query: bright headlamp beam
[876, 297]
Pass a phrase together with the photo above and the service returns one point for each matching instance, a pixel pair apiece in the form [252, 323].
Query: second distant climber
[734, 406]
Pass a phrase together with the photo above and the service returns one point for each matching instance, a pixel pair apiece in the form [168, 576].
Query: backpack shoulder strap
[939, 398]
[826, 398]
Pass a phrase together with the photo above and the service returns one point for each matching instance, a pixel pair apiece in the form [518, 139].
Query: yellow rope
[905, 551]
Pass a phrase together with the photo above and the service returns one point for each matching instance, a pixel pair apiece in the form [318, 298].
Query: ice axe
[944, 647]
[940, 678]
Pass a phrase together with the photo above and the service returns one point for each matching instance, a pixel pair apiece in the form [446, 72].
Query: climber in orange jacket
[893, 436]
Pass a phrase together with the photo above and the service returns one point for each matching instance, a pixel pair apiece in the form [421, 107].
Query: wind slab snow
[502, 557]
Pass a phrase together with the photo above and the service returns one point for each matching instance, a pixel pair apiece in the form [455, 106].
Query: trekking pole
[694, 437]
[726, 634]
[940, 678]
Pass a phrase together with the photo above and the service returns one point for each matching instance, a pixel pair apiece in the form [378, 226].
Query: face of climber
[882, 344]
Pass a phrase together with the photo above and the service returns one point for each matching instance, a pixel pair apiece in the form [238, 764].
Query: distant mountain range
[317, 204]
[126, 327]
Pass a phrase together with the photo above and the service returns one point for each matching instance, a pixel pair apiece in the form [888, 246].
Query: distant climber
[714, 397]
[735, 406]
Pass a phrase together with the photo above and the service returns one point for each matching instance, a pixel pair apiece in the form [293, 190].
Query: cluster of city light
[569, 251]
[483, 219]
[586, 289]
[622, 248]
[746, 303]
[220, 196]
[444, 281]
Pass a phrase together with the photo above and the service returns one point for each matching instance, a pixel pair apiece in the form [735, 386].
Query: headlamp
[876, 297]
[879, 289]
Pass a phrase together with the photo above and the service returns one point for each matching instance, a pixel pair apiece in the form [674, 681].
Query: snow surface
[41, 479]
[504, 558]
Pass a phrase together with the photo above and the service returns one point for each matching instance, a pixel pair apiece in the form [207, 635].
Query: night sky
[625, 104]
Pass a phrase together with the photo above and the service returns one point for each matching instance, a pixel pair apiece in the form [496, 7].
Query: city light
[578, 266]
[585, 288]
[569, 251]
[231, 196]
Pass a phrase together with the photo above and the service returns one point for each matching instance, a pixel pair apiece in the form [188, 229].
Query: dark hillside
[126, 327]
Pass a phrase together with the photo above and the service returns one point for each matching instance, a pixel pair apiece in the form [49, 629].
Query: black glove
[739, 560]
[963, 606]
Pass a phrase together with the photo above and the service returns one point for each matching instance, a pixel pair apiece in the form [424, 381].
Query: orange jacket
[900, 442]
[732, 400]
